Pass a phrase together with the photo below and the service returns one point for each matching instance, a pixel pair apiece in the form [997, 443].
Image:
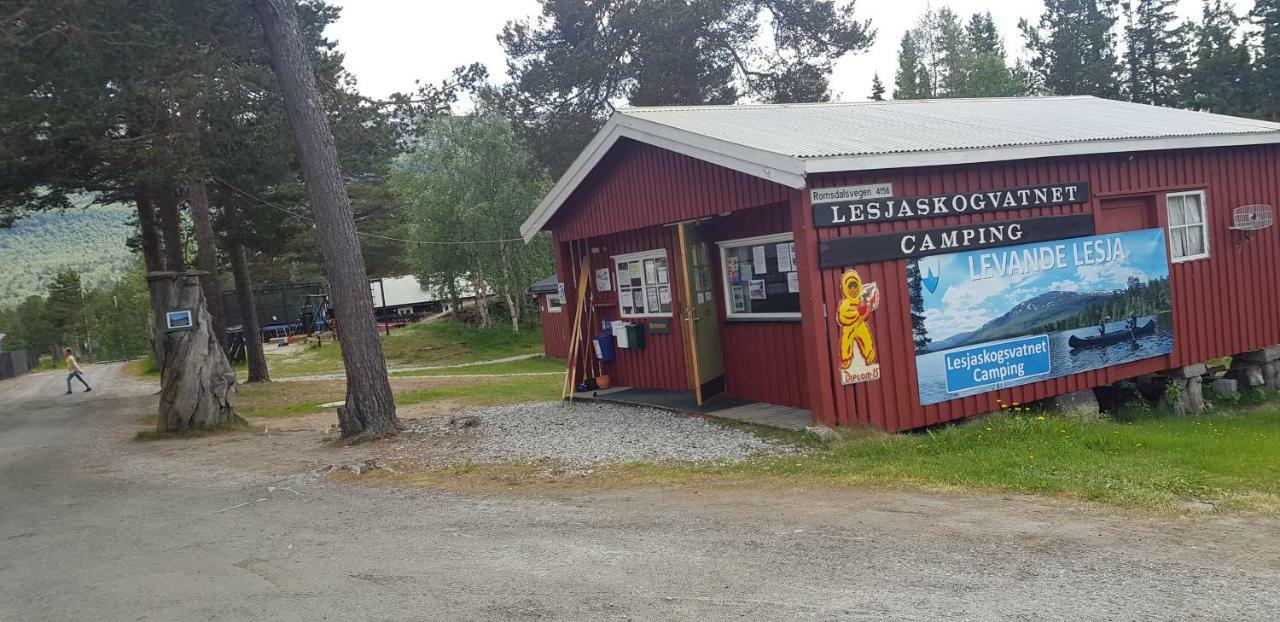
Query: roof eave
[915, 159]
[785, 170]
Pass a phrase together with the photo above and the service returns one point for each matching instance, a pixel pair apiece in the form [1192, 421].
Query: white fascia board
[1001, 154]
[785, 170]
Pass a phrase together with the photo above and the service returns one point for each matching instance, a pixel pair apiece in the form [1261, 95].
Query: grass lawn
[293, 399]
[438, 343]
[1229, 460]
[539, 365]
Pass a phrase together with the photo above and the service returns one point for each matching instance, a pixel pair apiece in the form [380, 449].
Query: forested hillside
[89, 241]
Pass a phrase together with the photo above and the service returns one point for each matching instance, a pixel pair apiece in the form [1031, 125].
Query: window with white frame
[644, 284]
[760, 277]
[1188, 225]
[553, 302]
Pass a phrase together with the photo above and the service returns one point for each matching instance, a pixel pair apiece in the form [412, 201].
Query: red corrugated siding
[760, 359]
[1223, 305]
[622, 208]
[555, 330]
[638, 186]
[661, 364]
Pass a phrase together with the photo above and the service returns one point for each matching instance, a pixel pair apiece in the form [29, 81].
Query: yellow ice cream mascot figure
[858, 359]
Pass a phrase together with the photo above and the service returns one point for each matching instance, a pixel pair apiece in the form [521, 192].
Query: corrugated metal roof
[549, 285]
[785, 143]
[827, 130]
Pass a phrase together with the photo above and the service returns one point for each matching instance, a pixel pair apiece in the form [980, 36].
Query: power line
[276, 207]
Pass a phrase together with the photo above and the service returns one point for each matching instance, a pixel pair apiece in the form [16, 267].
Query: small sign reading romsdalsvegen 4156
[818, 196]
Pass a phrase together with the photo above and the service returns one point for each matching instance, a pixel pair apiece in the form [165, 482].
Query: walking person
[74, 371]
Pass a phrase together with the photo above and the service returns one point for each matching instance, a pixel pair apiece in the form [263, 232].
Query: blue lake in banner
[1064, 361]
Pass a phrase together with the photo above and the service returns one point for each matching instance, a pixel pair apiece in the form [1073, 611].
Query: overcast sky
[391, 43]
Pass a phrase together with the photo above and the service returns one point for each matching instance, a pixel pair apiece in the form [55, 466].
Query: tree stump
[197, 384]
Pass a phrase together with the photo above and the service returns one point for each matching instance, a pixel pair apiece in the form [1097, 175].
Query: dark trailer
[901, 264]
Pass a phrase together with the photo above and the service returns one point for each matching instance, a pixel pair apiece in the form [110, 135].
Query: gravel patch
[591, 433]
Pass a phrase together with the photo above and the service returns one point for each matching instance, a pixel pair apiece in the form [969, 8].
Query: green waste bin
[635, 336]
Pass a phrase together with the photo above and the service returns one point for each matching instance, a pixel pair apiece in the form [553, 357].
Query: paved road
[95, 527]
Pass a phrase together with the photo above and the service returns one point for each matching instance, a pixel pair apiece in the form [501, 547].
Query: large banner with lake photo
[995, 318]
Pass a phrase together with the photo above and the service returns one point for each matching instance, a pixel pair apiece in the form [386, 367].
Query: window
[1188, 226]
[644, 284]
[760, 278]
[553, 302]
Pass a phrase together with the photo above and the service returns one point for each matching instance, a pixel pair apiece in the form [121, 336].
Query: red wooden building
[555, 326]
[733, 235]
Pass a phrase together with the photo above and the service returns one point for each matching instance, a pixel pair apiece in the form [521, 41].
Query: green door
[698, 311]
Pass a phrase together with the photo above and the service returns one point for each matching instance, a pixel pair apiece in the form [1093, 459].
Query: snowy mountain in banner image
[1023, 318]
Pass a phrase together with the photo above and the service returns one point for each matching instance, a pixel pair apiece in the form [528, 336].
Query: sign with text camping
[860, 205]
[988, 319]
[913, 243]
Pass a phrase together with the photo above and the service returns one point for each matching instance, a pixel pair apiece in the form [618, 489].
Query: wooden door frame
[687, 311]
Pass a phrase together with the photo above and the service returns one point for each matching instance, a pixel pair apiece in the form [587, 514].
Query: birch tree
[466, 189]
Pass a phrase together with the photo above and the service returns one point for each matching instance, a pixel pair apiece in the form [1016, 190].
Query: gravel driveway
[95, 526]
[585, 434]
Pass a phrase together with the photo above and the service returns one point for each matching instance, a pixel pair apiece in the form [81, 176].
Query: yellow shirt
[71, 363]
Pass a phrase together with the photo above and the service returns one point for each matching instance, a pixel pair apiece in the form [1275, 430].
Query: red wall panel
[1223, 305]
[637, 186]
[761, 359]
[660, 364]
[555, 330]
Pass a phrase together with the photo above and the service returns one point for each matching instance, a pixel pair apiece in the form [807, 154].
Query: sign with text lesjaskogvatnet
[993, 363]
[1001, 317]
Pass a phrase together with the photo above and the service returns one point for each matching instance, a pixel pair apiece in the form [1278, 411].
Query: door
[698, 310]
[1127, 214]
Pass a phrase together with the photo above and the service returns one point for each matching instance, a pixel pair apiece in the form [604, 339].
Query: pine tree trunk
[249, 325]
[153, 260]
[197, 384]
[171, 231]
[370, 409]
[207, 257]
[151, 257]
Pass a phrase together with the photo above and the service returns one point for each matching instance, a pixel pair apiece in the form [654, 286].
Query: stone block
[1248, 376]
[1184, 396]
[822, 434]
[1271, 375]
[1190, 371]
[1225, 386]
[1081, 404]
[1259, 357]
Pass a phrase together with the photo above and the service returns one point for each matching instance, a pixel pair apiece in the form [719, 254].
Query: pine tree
[985, 72]
[1266, 15]
[911, 81]
[877, 88]
[1221, 79]
[578, 59]
[983, 36]
[1073, 49]
[1156, 54]
[915, 295]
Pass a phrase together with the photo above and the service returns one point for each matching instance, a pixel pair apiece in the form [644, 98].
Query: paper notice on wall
[624, 298]
[650, 272]
[793, 282]
[602, 280]
[758, 260]
[664, 295]
[758, 291]
[651, 297]
[662, 275]
[636, 272]
[739, 299]
[784, 257]
[791, 252]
